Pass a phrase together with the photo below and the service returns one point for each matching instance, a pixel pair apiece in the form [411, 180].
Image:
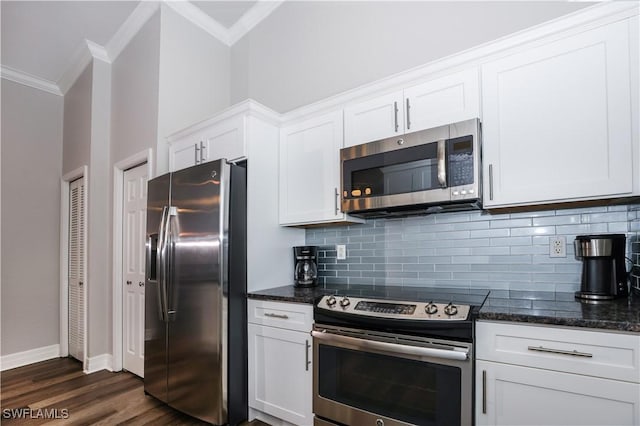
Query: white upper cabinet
[557, 120]
[223, 139]
[227, 139]
[310, 171]
[444, 100]
[188, 152]
[377, 118]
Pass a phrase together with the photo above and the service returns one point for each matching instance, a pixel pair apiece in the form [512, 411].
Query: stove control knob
[450, 309]
[331, 301]
[431, 308]
[345, 302]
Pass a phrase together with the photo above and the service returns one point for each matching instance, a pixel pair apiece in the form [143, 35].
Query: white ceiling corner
[251, 18]
[87, 49]
[199, 18]
[247, 21]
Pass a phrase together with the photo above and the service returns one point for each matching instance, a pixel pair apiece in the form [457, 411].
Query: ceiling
[41, 39]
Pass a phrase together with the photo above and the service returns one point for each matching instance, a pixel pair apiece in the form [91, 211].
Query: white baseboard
[31, 356]
[99, 362]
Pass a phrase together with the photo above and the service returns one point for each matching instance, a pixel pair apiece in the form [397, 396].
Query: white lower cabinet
[542, 375]
[280, 370]
[516, 395]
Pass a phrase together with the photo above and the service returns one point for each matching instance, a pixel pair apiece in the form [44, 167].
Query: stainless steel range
[395, 362]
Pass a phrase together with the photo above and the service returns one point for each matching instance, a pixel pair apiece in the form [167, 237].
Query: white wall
[194, 78]
[99, 215]
[77, 123]
[134, 93]
[309, 50]
[31, 171]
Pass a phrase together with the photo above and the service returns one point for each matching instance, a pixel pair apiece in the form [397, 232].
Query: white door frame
[80, 172]
[118, 181]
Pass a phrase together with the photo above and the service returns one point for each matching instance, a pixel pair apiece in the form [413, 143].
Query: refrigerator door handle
[161, 266]
[170, 291]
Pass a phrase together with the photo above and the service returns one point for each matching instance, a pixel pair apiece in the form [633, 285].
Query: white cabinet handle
[307, 362]
[337, 196]
[280, 316]
[196, 150]
[560, 351]
[202, 157]
[484, 391]
[408, 115]
[491, 181]
[395, 115]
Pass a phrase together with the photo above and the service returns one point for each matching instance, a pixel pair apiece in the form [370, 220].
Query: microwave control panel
[461, 171]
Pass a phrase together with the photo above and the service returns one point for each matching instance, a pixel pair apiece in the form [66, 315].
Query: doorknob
[128, 282]
[141, 284]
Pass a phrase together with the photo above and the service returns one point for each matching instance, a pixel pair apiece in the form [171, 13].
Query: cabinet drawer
[292, 316]
[592, 353]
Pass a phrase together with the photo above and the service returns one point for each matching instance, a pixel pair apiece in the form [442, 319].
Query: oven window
[407, 390]
[396, 172]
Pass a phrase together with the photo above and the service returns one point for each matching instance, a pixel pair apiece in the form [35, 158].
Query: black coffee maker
[305, 259]
[604, 275]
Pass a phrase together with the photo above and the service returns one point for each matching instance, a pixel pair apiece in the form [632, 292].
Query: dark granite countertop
[540, 307]
[535, 307]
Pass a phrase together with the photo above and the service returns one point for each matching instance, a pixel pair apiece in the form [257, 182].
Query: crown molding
[98, 52]
[200, 19]
[251, 18]
[29, 80]
[246, 23]
[128, 30]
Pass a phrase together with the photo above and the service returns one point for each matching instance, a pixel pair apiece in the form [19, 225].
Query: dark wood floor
[57, 392]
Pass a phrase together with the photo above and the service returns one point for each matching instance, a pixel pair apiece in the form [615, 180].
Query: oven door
[384, 379]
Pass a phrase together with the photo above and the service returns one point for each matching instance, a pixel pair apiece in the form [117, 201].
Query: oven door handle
[457, 354]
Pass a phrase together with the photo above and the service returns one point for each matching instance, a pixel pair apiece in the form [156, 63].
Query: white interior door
[134, 226]
[76, 269]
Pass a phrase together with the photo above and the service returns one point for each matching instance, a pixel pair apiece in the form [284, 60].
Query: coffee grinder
[305, 259]
[604, 275]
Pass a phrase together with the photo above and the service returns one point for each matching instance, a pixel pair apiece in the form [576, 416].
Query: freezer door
[155, 329]
[197, 304]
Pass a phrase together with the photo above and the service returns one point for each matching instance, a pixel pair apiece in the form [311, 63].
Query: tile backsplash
[469, 249]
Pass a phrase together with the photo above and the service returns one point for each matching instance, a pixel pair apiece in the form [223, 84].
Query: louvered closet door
[76, 269]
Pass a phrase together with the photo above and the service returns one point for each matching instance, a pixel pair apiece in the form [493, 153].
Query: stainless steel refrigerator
[195, 352]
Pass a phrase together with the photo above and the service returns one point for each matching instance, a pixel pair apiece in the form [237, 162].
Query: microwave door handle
[442, 169]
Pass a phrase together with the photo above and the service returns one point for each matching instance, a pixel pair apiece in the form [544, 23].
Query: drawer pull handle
[560, 351]
[269, 314]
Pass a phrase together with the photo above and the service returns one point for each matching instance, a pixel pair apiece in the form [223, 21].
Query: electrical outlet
[341, 251]
[557, 246]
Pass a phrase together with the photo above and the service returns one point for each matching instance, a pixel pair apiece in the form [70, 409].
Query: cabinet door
[310, 171]
[557, 120]
[280, 373]
[374, 119]
[185, 153]
[513, 395]
[226, 140]
[445, 100]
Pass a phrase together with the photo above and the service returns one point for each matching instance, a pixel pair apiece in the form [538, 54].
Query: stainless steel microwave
[423, 172]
